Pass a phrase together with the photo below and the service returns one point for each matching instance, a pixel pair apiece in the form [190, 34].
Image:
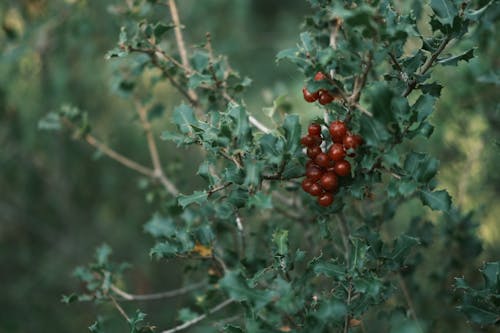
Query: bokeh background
[59, 200]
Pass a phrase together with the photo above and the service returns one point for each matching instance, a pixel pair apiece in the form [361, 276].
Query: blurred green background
[57, 204]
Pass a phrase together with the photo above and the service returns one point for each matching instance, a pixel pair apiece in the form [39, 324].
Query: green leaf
[453, 61]
[445, 10]
[198, 197]
[242, 129]
[198, 79]
[161, 29]
[237, 288]
[424, 106]
[260, 200]
[51, 122]
[421, 167]
[185, 119]
[156, 111]
[160, 226]
[330, 268]
[280, 240]
[96, 327]
[436, 200]
[291, 127]
[307, 41]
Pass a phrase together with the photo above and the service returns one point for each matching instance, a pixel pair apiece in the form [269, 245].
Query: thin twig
[346, 320]
[161, 295]
[344, 233]
[196, 320]
[153, 150]
[119, 308]
[427, 65]
[180, 43]
[360, 81]
[91, 140]
[337, 23]
[409, 301]
[252, 119]
[219, 188]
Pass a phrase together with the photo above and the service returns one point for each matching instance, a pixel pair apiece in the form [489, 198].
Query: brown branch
[360, 81]
[119, 308]
[409, 300]
[180, 43]
[337, 23]
[91, 140]
[161, 295]
[196, 320]
[427, 65]
[219, 188]
[153, 150]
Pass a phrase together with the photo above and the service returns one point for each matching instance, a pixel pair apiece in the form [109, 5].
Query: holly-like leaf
[436, 200]
[453, 61]
[198, 197]
[445, 10]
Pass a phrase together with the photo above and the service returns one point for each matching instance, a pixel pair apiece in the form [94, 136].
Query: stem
[344, 232]
[180, 43]
[360, 82]
[161, 295]
[409, 301]
[427, 65]
[119, 308]
[196, 320]
[91, 140]
[153, 150]
[346, 320]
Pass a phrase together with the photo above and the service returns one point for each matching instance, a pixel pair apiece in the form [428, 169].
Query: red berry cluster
[323, 96]
[324, 167]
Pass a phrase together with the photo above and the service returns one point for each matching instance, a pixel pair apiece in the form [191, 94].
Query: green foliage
[482, 306]
[245, 226]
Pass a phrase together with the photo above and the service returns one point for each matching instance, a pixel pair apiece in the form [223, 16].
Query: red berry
[315, 190]
[314, 129]
[325, 98]
[314, 173]
[309, 164]
[320, 76]
[329, 181]
[336, 152]
[306, 184]
[338, 130]
[322, 160]
[308, 96]
[311, 140]
[342, 168]
[352, 141]
[312, 152]
[325, 200]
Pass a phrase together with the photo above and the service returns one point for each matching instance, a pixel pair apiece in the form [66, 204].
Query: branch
[196, 320]
[360, 81]
[91, 140]
[344, 232]
[119, 308]
[337, 23]
[427, 65]
[153, 150]
[409, 301]
[252, 119]
[180, 43]
[147, 297]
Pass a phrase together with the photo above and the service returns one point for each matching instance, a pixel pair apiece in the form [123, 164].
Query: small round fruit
[315, 190]
[338, 130]
[312, 152]
[308, 96]
[309, 164]
[329, 181]
[314, 129]
[320, 76]
[314, 173]
[325, 199]
[352, 141]
[307, 141]
[306, 184]
[336, 152]
[322, 160]
[325, 98]
[342, 168]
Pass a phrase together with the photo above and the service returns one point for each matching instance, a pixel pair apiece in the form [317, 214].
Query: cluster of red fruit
[324, 167]
[323, 96]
